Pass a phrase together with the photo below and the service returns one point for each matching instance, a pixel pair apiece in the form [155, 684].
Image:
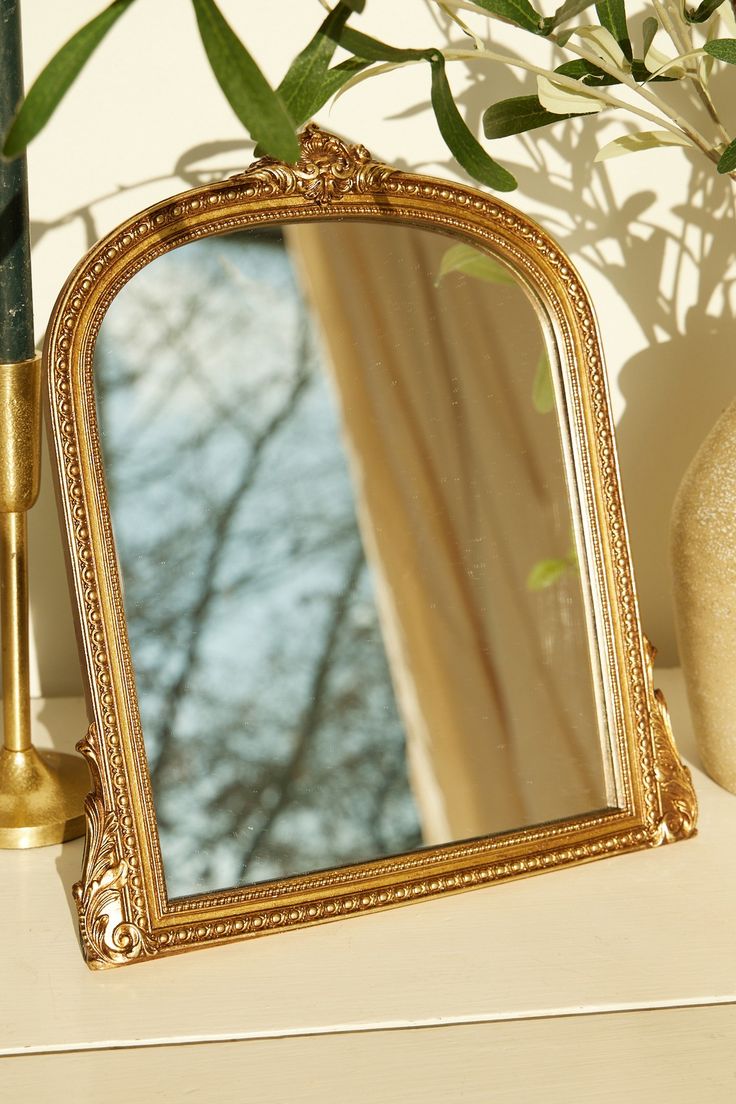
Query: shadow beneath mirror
[59, 724]
[69, 870]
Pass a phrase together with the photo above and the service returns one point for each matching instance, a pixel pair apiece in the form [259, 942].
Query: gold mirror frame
[124, 912]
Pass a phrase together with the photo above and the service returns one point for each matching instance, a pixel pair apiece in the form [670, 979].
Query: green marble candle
[16, 305]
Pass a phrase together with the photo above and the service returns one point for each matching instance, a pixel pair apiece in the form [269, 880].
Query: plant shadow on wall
[675, 286]
[676, 283]
[677, 386]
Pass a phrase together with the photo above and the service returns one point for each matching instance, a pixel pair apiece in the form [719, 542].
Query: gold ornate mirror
[355, 603]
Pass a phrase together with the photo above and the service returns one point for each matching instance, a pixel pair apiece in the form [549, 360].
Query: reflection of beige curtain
[460, 489]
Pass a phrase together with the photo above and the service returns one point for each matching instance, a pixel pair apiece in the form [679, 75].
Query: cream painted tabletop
[624, 968]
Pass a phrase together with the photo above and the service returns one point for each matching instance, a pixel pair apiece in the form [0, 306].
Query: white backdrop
[640, 230]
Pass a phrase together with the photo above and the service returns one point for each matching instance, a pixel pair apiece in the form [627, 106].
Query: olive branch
[605, 70]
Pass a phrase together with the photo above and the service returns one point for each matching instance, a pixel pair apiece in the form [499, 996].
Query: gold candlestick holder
[41, 792]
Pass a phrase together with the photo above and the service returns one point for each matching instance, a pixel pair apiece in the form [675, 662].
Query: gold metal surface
[20, 464]
[14, 628]
[125, 914]
[20, 434]
[703, 558]
[41, 797]
[41, 793]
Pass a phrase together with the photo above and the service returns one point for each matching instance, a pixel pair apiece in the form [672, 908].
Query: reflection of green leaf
[545, 573]
[543, 391]
[471, 262]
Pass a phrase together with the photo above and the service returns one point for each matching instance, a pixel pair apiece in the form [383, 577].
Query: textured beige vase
[703, 543]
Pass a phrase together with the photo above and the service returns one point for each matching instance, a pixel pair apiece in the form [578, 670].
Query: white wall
[147, 110]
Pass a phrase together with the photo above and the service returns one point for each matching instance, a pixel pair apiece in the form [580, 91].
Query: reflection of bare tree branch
[175, 693]
[169, 336]
[212, 560]
[189, 368]
[392, 774]
[266, 571]
[289, 772]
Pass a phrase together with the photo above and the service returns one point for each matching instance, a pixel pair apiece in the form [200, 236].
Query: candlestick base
[41, 797]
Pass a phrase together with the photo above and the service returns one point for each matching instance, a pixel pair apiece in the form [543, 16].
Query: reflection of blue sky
[232, 570]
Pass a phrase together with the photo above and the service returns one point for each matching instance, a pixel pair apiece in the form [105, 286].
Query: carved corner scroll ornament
[678, 803]
[328, 169]
[108, 937]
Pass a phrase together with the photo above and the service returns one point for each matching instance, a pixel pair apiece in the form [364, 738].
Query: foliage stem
[682, 40]
[680, 123]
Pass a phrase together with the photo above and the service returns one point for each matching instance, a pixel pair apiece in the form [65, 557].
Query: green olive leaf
[612, 14]
[244, 86]
[519, 12]
[601, 42]
[583, 70]
[462, 144]
[727, 162]
[303, 90]
[703, 11]
[640, 142]
[52, 84]
[643, 74]
[335, 79]
[561, 100]
[649, 28]
[723, 49]
[518, 115]
[569, 10]
[372, 49]
[472, 262]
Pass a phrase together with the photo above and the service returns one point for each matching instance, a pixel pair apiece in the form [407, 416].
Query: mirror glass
[351, 574]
